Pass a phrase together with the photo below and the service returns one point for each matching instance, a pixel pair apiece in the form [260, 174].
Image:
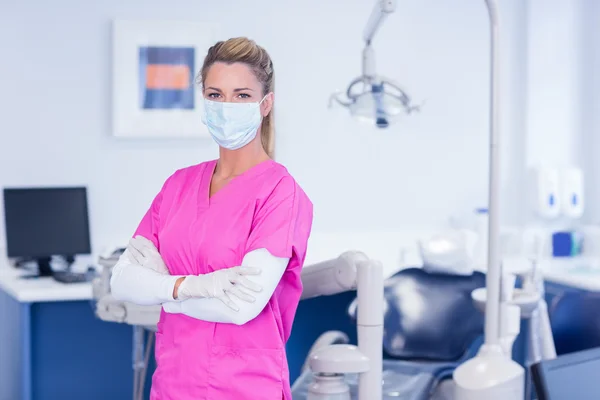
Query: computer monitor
[570, 376]
[44, 222]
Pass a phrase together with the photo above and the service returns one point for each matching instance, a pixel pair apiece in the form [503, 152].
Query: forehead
[230, 76]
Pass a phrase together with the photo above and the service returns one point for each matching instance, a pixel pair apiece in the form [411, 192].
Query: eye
[213, 95]
[244, 96]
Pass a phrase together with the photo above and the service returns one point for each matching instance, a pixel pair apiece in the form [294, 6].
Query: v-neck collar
[210, 171]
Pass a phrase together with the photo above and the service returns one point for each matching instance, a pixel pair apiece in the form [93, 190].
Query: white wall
[554, 66]
[562, 89]
[590, 81]
[55, 123]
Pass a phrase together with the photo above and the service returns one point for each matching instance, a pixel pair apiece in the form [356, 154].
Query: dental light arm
[381, 10]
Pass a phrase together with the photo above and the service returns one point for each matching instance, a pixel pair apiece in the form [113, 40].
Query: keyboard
[71, 277]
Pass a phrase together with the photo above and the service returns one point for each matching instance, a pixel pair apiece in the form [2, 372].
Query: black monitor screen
[570, 376]
[42, 222]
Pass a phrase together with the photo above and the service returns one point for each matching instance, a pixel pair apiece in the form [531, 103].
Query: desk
[41, 290]
[53, 347]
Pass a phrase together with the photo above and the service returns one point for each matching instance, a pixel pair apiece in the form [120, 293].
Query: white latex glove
[221, 284]
[144, 253]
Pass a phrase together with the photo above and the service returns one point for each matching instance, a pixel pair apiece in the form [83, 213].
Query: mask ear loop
[259, 104]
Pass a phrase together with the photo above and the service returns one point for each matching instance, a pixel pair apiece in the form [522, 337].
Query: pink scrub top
[195, 234]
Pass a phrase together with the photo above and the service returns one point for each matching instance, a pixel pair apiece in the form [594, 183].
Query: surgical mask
[232, 125]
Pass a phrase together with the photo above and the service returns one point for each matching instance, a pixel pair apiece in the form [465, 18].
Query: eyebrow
[235, 90]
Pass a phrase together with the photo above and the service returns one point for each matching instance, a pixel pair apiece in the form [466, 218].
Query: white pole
[492, 375]
[369, 325]
[494, 272]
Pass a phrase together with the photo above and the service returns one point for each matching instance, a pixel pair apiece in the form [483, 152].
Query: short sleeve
[149, 226]
[283, 222]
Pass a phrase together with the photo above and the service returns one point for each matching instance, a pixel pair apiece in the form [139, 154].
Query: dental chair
[575, 321]
[430, 327]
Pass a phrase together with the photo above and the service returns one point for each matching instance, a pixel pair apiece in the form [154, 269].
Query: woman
[222, 246]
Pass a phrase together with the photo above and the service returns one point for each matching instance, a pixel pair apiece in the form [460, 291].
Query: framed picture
[154, 68]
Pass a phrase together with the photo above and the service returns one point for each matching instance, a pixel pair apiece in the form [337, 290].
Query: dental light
[372, 98]
[491, 374]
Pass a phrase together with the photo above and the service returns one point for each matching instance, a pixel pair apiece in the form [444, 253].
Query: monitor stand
[44, 269]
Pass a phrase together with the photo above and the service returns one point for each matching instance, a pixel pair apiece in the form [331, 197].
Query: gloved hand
[221, 284]
[144, 253]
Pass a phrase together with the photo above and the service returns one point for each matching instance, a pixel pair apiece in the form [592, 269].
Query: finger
[137, 249]
[131, 257]
[247, 283]
[247, 270]
[240, 294]
[136, 254]
[145, 249]
[144, 245]
[138, 258]
[135, 242]
[145, 242]
[229, 302]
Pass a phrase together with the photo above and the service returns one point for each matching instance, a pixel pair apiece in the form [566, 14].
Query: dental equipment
[329, 363]
[541, 345]
[430, 327]
[522, 303]
[526, 303]
[510, 314]
[370, 97]
[540, 339]
[142, 318]
[491, 374]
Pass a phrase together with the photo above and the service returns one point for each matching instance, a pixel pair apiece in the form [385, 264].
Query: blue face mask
[232, 125]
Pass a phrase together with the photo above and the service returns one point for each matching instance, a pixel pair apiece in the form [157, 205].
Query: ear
[267, 104]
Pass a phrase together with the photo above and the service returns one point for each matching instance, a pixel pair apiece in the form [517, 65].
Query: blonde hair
[244, 50]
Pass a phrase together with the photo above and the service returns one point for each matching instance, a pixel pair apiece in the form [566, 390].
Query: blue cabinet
[60, 350]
